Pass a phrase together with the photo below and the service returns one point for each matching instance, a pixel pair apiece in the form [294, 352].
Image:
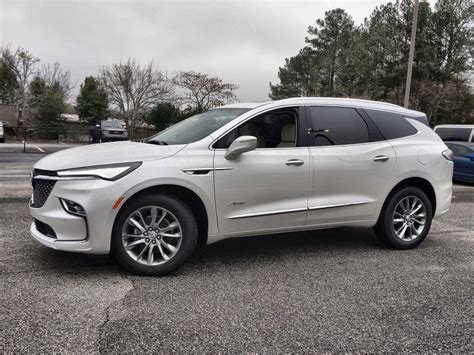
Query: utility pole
[412, 51]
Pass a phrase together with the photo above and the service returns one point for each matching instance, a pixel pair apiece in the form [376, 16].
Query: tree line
[139, 94]
[340, 59]
[369, 60]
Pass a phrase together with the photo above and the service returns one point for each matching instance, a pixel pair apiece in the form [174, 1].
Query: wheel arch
[187, 196]
[425, 185]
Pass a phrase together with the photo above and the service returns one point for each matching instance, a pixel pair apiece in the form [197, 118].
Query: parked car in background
[2, 133]
[463, 160]
[243, 170]
[108, 130]
[455, 132]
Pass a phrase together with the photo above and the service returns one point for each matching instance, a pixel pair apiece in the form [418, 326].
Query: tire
[395, 216]
[177, 216]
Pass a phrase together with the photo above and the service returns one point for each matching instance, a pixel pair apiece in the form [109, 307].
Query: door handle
[381, 158]
[294, 162]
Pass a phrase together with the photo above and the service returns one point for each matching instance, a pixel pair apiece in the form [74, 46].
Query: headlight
[106, 172]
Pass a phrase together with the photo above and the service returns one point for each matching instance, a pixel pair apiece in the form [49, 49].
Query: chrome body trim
[338, 205]
[191, 171]
[259, 214]
[64, 178]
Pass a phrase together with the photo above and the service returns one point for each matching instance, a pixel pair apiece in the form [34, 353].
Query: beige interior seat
[288, 136]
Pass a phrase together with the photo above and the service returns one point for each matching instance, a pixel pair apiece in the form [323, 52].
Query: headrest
[288, 133]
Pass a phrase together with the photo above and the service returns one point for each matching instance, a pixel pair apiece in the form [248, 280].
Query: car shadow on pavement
[235, 252]
[262, 249]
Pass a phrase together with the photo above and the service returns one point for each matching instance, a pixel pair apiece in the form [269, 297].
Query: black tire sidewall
[188, 226]
[386, 227]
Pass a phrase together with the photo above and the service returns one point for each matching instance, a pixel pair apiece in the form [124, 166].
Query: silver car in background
[107, 131]
[242, 170]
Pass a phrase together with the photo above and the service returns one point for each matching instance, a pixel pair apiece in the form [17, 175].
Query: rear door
[351, 165]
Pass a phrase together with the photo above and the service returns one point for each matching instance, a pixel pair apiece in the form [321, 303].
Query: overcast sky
[243, 42]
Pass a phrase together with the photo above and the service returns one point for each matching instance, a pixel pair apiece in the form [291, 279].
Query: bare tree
[22, 63]
[202, 92]
[56, 79]
[134, 89]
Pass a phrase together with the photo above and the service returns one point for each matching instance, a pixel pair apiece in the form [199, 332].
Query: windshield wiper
[155, 142]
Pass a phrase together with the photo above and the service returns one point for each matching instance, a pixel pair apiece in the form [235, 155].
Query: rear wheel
[154, 235]
[406, 219]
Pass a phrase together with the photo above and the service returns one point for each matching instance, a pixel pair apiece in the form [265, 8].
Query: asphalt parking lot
[336, 290]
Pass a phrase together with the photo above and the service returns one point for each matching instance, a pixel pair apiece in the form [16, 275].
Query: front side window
[197, 127]
[274, 129]
[336, 126]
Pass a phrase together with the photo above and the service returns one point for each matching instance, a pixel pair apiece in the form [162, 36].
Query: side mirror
[241, 145]
[470, 156]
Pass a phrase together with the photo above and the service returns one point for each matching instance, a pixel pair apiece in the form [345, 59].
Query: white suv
[245, 169]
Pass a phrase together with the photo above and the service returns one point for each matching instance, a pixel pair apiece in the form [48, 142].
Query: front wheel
[405, 219]
[154, 235]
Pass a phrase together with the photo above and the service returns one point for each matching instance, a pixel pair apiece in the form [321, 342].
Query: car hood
[106, 153]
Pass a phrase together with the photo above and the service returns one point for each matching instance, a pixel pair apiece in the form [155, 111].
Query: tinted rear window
[392, 125]
[454, 134]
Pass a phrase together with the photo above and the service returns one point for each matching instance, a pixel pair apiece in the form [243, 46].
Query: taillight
[448, 155]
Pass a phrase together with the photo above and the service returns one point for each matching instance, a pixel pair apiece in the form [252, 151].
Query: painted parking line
[40, 149]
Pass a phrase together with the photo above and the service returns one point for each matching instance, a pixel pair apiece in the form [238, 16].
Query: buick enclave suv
[241, 170]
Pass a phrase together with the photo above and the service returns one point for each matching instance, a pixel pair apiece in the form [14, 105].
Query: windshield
[454, 134]
[111, 124]
[197, 127]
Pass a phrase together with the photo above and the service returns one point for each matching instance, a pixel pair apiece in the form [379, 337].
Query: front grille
[42, 188]
[44, 172]
[45, 229]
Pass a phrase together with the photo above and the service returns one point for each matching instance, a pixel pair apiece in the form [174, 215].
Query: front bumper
[89, 234]
[114, 136]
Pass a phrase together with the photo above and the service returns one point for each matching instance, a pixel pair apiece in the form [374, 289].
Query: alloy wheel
[151, 235]
[409, 218]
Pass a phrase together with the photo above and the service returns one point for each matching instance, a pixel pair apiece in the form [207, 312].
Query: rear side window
[392, 125]
[454, 134]
[336, 126]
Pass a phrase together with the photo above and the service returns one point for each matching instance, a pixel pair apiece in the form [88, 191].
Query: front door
[265, 189]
